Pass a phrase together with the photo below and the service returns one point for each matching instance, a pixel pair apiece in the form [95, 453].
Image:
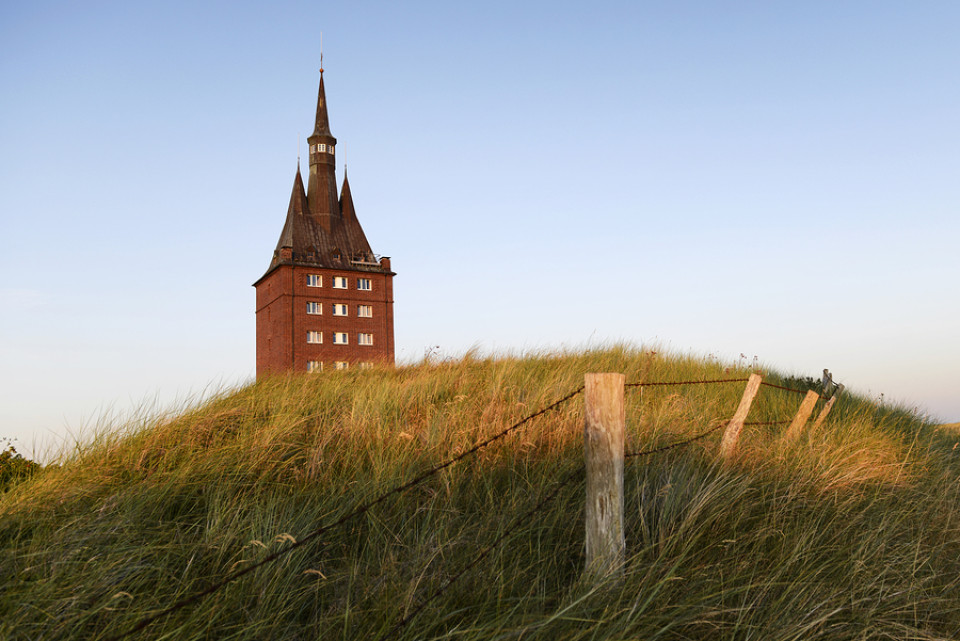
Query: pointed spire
[298, 197]
[346, 199]
[321, 229]
[297, 208]
[359, 247]
[322, 125]
[322, 183]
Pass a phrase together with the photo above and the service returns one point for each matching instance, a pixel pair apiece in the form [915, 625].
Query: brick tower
[326, 301]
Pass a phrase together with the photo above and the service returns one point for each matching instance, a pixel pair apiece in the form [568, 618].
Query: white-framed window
[341, 338]
[329, 149]
[321, 147]
[365, 311]
[341, 365]
[365, 339]
[314, 280]
[314, 366]
[315, 337]
[364, 283]
[340, 309]
[340, 282]
[314, 308]
[366, 365]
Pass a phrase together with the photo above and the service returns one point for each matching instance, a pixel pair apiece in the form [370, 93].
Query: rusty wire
[786, 389]
[347, 517]
[143, 623]
[514, 526]
[670, 383]
[511, 529]
[657, 450]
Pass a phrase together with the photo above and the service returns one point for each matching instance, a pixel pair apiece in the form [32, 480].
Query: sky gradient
[778, 180]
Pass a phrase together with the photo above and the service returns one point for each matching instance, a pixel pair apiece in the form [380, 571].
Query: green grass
[848, 533]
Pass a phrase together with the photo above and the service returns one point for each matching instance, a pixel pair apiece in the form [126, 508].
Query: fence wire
[347, 517]
[677, 444]
[671, 383]
[511, 529]
[786, 389]
[514, 526]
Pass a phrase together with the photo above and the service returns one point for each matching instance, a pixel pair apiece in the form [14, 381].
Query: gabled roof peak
[346, 199]
[298, 198]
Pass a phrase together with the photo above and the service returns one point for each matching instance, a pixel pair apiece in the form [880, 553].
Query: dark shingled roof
[345, 246]
[349, 217]
[325, 233]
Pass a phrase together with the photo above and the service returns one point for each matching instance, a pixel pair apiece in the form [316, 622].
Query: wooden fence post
[826, 409]
[732, 434]
[603, 446]
[806, 409]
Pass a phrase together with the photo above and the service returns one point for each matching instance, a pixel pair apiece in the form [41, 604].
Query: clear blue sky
[766, 178]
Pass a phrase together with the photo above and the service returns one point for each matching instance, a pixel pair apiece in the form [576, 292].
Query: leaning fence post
[732, 434]
[826, 409]
[803, 414]
[603, 447]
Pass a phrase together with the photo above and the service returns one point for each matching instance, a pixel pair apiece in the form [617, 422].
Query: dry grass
[847, 533]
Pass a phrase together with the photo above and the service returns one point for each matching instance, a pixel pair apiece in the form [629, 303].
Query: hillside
[849, 533]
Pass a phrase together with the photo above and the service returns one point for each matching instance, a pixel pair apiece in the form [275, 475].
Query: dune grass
[849, 533]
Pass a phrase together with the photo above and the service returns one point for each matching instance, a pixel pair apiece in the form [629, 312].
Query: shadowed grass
[850, 532]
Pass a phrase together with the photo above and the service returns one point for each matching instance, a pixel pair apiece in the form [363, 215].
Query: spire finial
[298, 151]
[321, 53]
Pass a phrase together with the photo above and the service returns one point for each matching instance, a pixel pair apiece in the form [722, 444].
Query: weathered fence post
[732, 434]
[803, 414]
[603, 446]
[826, 409]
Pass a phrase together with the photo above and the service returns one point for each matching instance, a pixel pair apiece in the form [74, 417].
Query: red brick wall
[283, 322]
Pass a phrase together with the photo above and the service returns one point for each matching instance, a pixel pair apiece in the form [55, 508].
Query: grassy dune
[849, 533]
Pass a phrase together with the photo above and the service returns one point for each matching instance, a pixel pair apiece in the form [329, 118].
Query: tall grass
[848, 533]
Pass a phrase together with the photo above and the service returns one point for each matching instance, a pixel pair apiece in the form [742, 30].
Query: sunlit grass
[850, 532]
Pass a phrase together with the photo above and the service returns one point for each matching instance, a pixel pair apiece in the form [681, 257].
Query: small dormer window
[330, 149]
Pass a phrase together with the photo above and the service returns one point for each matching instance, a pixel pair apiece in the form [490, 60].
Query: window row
[322, 148]
[339, 338]
[317, 366]
[339, 282]
[340, 309]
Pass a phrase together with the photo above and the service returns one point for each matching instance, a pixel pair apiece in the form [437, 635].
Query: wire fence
[514, 526]
[786, 389]
[677, 383]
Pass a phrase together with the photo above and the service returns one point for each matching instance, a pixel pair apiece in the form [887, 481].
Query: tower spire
[322, 123]
[322, 183]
